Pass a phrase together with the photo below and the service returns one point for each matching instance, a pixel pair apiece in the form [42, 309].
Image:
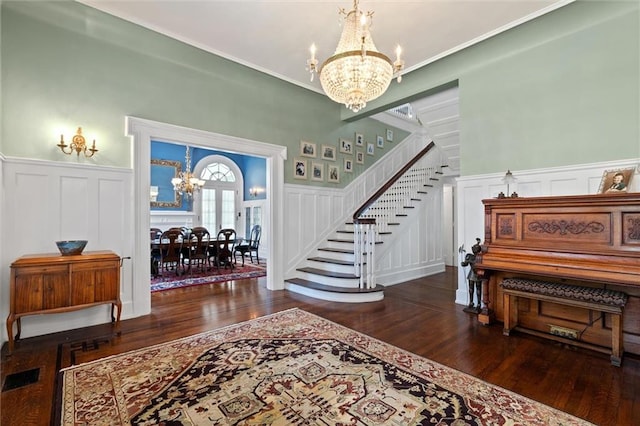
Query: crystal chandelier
[357, 72]
[186, 183]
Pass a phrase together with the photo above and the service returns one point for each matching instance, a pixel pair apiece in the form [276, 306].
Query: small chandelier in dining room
[357, 72]
[186, 183]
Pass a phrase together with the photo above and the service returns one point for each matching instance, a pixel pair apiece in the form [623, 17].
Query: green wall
[66, 65]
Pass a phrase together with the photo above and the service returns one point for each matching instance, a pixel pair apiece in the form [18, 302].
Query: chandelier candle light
[357, 72]
[186, 183]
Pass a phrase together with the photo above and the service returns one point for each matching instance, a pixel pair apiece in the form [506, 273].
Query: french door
[218, 208]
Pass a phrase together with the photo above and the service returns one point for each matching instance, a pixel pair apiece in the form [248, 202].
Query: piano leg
[508, 313]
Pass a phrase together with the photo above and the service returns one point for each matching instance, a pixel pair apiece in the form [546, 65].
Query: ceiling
[275, 36]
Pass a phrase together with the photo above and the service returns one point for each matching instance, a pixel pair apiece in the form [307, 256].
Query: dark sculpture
[475, 283]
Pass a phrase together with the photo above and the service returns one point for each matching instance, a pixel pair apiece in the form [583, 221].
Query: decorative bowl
[71, 247]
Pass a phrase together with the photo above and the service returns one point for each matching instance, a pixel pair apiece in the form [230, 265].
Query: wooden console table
[52, 283]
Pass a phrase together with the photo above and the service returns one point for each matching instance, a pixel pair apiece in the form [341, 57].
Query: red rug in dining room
[171, 281]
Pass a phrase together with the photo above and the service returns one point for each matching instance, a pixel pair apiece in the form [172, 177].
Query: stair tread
[326, 273]
[340, 240]
[335, 250]
[330, 288]
[329, 260]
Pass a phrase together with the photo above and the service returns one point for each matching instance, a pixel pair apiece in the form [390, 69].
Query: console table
[52, 283]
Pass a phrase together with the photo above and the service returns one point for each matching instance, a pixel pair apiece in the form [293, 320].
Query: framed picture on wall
[616, 181]
[162, 171]
[360, 157]
[380, 141]
[359, 139]
[317, 171]
[333, 173]
[390, 135]
[328, 152]
[307, 149]
[371, 150]
[299, 168]
[346, 147]
[348, 165]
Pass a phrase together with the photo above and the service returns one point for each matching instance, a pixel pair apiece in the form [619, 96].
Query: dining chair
[154, 234]
[170, 250]
[196, 250]
[222, 250]
[250, 247]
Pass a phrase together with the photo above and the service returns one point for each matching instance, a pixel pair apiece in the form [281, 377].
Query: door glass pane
[228, 209]
[209, 209]
[257, 216]
[247, 222]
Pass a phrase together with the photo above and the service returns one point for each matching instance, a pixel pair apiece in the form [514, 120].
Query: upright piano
[587, 240]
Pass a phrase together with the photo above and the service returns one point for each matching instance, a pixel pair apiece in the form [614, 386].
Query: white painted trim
[142, 132]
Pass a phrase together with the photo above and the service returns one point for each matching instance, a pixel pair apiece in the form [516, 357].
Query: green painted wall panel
[65, 65]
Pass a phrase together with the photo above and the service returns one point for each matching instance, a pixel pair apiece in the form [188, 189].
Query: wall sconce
[508, 179]
[154, 193]
[78, 144]
[255, 191]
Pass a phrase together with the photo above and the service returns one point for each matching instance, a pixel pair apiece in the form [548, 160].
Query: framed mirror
[162, 171]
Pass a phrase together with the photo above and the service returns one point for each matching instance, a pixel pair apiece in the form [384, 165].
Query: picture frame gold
[616, 180]
[333, 173]
[317, 171]
[328, 152]
[163, 171]
[346, 146]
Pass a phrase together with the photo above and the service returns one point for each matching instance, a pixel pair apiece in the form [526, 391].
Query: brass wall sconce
[78, 144]
[254, 191]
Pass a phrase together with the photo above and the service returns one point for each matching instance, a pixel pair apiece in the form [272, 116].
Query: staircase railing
[374, 217]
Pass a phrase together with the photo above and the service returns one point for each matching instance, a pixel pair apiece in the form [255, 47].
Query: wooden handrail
[391, 181]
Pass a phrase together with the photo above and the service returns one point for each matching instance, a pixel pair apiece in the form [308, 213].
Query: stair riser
[339, 245]
[337, 256]
[331, 267]
[335, 297]
[336, 282]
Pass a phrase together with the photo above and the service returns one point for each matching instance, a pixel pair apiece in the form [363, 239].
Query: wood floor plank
[419, 316]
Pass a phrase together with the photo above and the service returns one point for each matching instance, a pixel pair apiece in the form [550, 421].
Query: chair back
[254, 239]
[199, 242]
[224, 243]
[171, 251]
[155, 233]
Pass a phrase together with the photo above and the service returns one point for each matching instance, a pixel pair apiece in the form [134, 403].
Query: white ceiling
[274, 36]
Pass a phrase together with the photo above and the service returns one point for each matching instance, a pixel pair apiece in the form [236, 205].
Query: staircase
[342, 269]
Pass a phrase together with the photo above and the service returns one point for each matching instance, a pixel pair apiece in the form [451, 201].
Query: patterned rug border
[473, 389]
[190, 281]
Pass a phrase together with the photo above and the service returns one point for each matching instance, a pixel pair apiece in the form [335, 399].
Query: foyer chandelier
[357, 72]
[186, 183]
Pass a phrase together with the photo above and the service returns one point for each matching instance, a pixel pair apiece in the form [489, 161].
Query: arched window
[221, 194]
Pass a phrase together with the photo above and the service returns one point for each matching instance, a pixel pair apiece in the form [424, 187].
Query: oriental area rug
[170, 280]
[288, 368]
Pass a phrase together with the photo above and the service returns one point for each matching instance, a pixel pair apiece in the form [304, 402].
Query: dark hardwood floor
[419, 316]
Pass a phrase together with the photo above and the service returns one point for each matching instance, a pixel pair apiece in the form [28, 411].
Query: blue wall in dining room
[254, 169]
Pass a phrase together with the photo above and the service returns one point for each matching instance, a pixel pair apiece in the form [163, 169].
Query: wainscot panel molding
[312, 214]
[51, 201]
[556, 181]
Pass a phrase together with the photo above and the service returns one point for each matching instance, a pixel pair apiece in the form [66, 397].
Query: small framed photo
[333, 173]
[317, 171]
[390, 135]
[348, 165]
[616, 181]
[346, 146]
[359, 139]
[299, 168]
[328, 152]
[307, 149]
[371, 150]
[359, 157]
[380, 141]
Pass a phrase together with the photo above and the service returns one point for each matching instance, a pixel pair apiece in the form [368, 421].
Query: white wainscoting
[48, 201]
[558, 181]
[312, 214]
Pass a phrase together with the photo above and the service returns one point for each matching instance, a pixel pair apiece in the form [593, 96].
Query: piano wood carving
[590, 240]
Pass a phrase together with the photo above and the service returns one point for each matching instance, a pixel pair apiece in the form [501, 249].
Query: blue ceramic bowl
[71, 247]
